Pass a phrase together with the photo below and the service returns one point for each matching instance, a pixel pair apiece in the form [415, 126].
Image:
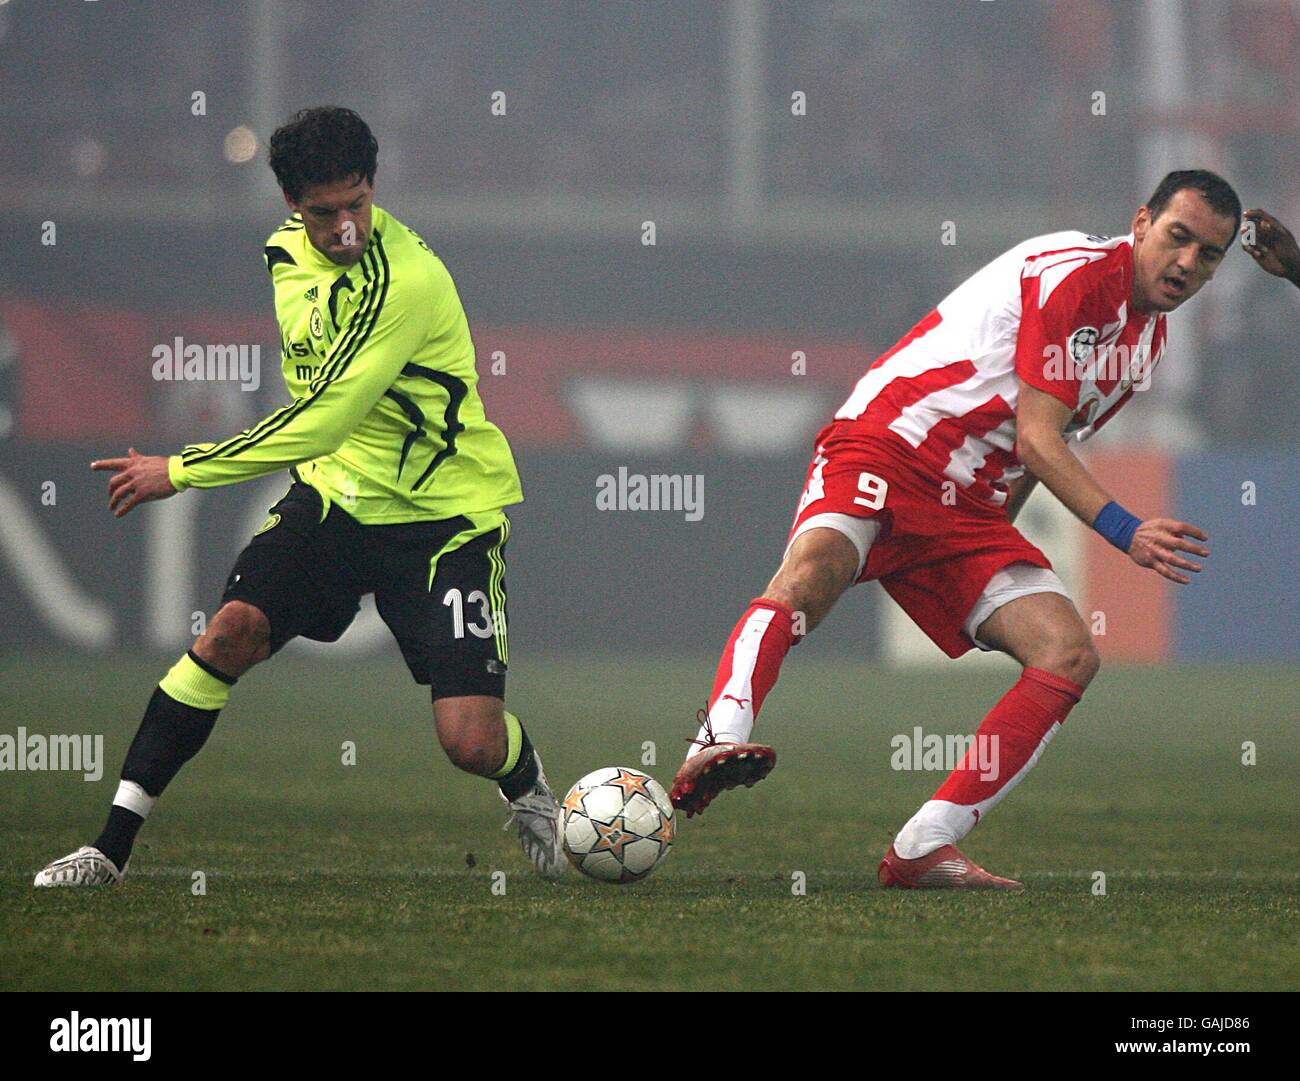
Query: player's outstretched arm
[137, 478]
[1155, 543]
[1040, 420]
[1271, 245]
[390, 321]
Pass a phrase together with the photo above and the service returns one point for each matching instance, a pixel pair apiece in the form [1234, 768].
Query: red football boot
[716, 768]
[943, 869]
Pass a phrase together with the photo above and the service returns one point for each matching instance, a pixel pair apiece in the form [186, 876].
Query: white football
[618, 824]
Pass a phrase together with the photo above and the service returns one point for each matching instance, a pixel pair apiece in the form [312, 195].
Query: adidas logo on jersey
[311, 294]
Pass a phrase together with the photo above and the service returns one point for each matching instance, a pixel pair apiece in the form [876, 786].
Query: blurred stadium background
[799, 163]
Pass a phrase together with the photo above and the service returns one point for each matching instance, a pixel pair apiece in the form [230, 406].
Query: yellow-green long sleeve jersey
[386, 418]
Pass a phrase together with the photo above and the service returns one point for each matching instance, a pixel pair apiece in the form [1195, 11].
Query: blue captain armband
[1116, 524]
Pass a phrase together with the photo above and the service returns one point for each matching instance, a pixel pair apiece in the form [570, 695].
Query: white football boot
[536, 817]
[85, 867]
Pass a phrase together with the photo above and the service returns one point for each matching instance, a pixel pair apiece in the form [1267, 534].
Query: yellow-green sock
[195, 683]
[519, 772]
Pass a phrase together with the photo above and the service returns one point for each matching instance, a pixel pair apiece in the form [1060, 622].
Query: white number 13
[453, 601]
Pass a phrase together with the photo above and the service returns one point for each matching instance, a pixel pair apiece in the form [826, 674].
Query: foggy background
[799, 163]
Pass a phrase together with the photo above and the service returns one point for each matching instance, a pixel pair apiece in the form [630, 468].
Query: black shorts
[307, 572]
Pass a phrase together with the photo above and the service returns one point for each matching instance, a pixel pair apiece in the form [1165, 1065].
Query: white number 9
[874, 488]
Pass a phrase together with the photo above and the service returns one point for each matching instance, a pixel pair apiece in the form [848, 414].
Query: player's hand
[1158, 541]
[137, 479]
[1275, 249]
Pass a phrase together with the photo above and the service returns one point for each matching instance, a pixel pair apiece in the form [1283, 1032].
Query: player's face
[1178, 252]
[337, 218]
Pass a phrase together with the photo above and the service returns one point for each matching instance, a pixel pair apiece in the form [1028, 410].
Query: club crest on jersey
[317, 324]
[1082, 345]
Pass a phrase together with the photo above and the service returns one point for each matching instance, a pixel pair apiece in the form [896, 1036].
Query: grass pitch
[379, 875]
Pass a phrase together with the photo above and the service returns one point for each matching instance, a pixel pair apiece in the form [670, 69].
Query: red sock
[1016, 730]
[748, 669]
[1024, 718]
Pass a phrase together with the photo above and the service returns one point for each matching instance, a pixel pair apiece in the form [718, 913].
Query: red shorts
[937, 547]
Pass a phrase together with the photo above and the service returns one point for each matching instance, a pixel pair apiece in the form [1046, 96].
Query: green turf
[321, 875]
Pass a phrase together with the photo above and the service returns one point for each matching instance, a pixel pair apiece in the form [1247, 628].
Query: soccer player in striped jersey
[399, 484]
[919, 477]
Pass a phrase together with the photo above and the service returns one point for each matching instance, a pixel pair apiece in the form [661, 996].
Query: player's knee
[473, 737]
[1071, 655]
[237, 638]
[472, 751]
[473, 756]
[815, 572]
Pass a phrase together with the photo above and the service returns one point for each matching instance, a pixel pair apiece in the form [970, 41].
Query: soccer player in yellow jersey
[399, 485]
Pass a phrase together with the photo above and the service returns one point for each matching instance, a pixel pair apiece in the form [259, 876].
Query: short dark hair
[1217, 192]
[320, 146]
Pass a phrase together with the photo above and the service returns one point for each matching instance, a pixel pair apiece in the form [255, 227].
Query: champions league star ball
[618, 824]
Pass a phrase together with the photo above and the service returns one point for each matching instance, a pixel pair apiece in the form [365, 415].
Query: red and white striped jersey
[1053, 311]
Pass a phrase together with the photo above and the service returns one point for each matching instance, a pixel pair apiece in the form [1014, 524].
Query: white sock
[731, 723]
[732, 715]
[936, 824]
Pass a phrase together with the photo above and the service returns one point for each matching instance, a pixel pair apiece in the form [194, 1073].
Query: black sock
[169, 736]
[520, 779]
[119, 835]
